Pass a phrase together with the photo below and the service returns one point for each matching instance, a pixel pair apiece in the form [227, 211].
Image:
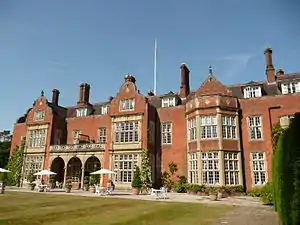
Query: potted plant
[86, 183]
[68, 185]
[92, 187]
[31, 178]
[136, 182]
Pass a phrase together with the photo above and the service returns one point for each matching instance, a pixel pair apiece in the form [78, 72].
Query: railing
[77, 147]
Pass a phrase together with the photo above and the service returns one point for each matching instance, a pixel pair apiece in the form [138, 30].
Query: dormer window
[127, 104]
[104, 109]
[289, 88]
[252, 92]
[39, 116]
[168, 102]
[81, 112]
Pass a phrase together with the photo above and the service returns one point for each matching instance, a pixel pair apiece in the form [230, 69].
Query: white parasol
[4, 170]
[103, 171]
[44, 172]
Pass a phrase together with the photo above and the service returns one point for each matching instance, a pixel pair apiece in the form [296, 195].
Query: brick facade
[217, 134]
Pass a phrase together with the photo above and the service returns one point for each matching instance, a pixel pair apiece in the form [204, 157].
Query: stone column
[82, 178]
[65, 176]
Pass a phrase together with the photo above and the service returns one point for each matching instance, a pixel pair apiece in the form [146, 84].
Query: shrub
[180, 188]
[136, 181]
[266, 194]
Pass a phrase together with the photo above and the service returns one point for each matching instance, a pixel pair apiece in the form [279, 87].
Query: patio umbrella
[103, 171]
[4, 170]
[44, 172]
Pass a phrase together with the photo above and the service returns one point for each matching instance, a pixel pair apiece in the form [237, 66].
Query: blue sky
[60, 44]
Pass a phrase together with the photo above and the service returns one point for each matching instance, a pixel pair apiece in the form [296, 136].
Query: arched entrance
[92, 164]
[58, 166]
[74, 171]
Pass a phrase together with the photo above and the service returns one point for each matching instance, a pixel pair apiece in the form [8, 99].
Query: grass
[35, 209]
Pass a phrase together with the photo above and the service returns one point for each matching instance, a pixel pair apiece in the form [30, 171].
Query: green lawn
[36, 209]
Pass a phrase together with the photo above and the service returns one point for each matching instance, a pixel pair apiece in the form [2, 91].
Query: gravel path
[249, 215]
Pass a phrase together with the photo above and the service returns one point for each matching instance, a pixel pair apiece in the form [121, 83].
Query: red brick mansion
[217, 134]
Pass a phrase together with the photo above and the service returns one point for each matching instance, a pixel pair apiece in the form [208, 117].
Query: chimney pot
[55, 96]
[280, 72]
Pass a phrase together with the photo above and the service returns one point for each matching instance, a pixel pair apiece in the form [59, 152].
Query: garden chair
[97, 188]
[163, 192]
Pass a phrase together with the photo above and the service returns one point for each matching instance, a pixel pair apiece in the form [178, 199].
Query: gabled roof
[212, 86]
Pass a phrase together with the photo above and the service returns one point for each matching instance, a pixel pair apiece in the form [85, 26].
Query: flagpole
[155, 74]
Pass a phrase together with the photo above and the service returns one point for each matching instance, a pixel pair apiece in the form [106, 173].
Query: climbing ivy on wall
[15, 165]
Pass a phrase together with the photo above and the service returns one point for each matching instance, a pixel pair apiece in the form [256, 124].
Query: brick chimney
[270, 70]
[84, 94]
[55, 96]
[185, 81]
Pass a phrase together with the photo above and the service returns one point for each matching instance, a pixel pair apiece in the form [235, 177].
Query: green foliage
[173, 168]
[181, 186]
[86, 181]
[31, 178]
[145, 168]
[5, 142]
[68, 182]
[15, 165]
[265, 193]
[136, 181]
[286, 174]
[3, 177]
[277, 131]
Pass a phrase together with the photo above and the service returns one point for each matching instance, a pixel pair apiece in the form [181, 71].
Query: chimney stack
[55, 96]
[84, 94]
[185, 81]
[270, 70]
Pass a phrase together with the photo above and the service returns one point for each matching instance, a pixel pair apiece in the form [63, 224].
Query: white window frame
[290, 87]
[166, 133]
[102, 135]
[193, 165]
[192, 129]
[104, 109]
[37, 138]
[39, 115]
[127, 104]
[127, 132]
[252, 92]
[168, 102]
[81, 112]
[255, 128]
[231, 168]
[228, 127]
[258, 168]
[210, 168]
[123, 166]
[76, 135]
[33, 163]
[208, 125]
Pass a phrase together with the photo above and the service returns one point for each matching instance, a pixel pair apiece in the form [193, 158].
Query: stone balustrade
[77, 147]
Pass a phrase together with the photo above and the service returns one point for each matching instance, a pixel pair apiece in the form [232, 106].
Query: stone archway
[92, 164]
[58, 166]
[74, 172]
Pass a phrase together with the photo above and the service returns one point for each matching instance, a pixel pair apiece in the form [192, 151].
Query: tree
[5, 143]
[15, 165]
[136, 181]
[146, 173]
[286, 174]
